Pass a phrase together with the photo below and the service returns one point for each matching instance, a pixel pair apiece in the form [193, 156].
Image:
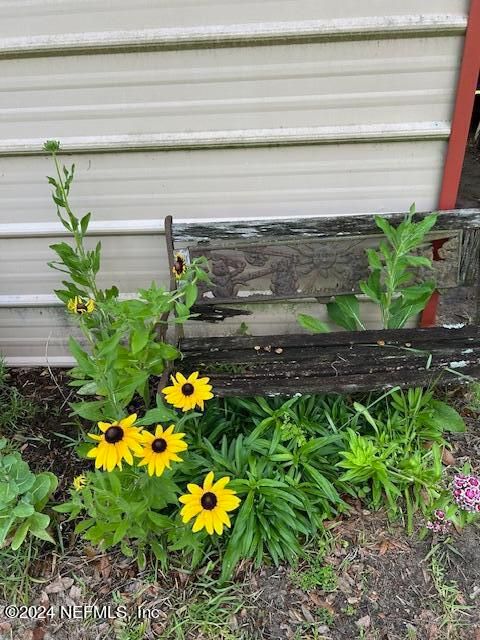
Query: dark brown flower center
[179, 265]
[209, 501]
[159, 445]
[113, 434]
[81, 307]
[188, 389]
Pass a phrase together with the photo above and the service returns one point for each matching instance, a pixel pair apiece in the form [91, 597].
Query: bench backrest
[317, 257]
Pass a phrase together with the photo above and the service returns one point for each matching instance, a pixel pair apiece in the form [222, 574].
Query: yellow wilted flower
[179, 266]
[79, 482]
[81, 305]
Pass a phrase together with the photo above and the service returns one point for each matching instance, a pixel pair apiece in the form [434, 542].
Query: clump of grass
[15, 567]
[450, 596]
[316, 577]
[15, 409]
[324, 616]
[315, 574]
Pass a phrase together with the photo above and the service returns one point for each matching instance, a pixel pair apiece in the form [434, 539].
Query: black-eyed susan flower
[116, 443]
[209, 504]
[79, 482]
[81, 305]
[161, 449]
[186, 393]
[179, 265]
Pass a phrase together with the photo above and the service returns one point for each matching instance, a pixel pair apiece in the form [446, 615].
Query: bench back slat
[290, 259]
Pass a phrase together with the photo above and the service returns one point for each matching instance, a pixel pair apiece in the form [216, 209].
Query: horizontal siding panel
[39, 17]
[385, 82]
[35, 335]
[296, 181]
[129, 262]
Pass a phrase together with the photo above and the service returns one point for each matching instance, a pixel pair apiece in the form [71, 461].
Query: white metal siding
[209, 110]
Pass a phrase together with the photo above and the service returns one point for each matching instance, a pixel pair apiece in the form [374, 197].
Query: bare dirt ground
[384, 585]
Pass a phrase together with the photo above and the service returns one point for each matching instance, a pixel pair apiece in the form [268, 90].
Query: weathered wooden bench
[257, 261]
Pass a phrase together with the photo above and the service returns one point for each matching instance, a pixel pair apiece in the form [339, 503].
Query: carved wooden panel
[284, 268]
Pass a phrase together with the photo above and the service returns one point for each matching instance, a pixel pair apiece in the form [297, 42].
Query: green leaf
[373, 259]
[39, 521]
[159, 414]
[66, 507]
[93, 411]
[88, 389]
[23, 509]
[20, 535]
[312, 324]
[107, 346]
[181, 311]
[164, 351]
[386, 227]
[42, 534]
[139, 339]
[83, 359]
[190, 291]
[446, 417]
[84, 223]
[120, 531]
[160, 522]
[6, 521]
[418, 261]
[345, 312]
[44, 485]
[372, 287]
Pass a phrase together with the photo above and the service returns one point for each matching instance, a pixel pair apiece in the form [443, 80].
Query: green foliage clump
[389, 285]
[23, 496]
[127, 508]
[316, 576]
[125, 339]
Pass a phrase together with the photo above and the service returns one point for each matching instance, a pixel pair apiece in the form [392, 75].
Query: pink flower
[466, 492]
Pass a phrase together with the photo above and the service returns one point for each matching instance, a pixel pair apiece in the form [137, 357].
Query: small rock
[447, 458]
[75, 592]
[307, 614]
[59, 585]
[363, 623]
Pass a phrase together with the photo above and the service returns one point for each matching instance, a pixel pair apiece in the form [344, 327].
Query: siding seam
[255, 34]
[244, 138]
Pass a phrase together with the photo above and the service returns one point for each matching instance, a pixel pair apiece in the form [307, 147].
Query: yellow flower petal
[220, 484]
[208, 516]
[126, 423]
[207, 483]
[199, 522]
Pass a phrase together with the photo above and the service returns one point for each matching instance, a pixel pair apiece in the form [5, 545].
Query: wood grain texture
[344, 362]
[311, 227]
